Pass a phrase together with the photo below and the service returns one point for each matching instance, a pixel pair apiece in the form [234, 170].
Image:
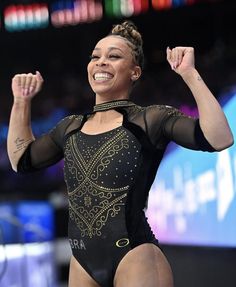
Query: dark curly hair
[129, 31]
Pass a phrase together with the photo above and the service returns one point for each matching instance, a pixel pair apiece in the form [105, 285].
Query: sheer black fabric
[160, 123]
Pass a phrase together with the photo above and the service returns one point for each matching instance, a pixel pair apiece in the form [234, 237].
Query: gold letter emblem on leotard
[122, 242]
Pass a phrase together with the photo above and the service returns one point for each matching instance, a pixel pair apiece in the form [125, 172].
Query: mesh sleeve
[41, 153]
[184, 130]
[47, 149]
[169, 124]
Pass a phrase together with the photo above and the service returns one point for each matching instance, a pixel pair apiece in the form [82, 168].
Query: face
[112, 70]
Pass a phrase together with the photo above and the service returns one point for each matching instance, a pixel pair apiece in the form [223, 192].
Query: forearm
[20, 133]
[211, 116]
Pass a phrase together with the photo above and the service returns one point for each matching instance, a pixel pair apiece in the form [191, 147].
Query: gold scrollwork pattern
[90, 203]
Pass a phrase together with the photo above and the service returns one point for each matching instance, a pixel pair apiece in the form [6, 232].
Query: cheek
[89, 68]
[89, 71]
[125, 72]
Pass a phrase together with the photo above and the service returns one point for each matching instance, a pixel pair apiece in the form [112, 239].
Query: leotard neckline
[112, 105]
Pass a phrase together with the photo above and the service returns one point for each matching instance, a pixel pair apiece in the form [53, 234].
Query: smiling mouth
[102, 76]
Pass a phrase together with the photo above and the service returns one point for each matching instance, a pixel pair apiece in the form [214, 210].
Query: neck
[106, 117]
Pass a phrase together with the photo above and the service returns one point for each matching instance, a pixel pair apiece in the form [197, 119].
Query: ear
[136, 73]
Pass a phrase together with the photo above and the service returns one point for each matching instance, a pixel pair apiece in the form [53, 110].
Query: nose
[101, 62]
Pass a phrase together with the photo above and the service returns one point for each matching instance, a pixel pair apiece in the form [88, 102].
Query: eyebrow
[110, 48]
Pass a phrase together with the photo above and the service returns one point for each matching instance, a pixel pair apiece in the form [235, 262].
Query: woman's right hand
[26, 86]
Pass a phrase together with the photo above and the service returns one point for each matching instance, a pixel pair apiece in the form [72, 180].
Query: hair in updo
[129, 31]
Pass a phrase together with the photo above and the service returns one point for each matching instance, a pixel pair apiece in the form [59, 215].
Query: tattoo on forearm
[21, 144]
[199, 78]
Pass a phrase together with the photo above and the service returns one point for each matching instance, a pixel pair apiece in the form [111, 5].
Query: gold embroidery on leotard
[112, 105]
[90, 203]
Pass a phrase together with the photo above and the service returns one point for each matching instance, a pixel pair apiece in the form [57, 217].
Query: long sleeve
[167, 124]
[48, 149]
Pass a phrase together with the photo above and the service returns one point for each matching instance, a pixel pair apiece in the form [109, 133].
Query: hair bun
[129, 31]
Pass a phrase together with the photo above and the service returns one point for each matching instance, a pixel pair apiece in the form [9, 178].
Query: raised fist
[26, 86]
[181, 59]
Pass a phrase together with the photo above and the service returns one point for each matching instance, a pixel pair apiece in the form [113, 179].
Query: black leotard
[108, 178]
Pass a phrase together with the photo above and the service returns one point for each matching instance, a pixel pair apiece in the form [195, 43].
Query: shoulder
[67, 122]
[158, 110]
[70, 119]
[163, 109]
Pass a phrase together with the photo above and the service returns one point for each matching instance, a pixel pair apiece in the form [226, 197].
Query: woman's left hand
[181, 59]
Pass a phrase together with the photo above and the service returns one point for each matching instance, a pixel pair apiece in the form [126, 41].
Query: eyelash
[92, 57]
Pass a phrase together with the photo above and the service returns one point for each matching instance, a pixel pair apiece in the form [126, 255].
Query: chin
[102, 91]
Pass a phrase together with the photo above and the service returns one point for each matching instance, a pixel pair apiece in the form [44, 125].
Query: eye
[114, 56]
[93, 57]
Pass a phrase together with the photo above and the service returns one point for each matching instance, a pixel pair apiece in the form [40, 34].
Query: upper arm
[48, 149]
[170, 124]
[185, 131]
[41, 153]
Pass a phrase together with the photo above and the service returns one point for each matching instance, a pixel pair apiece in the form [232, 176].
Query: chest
[111, 159]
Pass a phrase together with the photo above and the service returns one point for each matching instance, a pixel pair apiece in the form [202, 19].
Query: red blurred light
[161, 4]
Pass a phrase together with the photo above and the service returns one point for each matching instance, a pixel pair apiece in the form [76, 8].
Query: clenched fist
[181, 59]
[26, 86]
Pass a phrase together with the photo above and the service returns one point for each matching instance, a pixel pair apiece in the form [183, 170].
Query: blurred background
[192, 203]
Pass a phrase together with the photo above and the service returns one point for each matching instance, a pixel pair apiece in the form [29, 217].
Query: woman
[111, 158]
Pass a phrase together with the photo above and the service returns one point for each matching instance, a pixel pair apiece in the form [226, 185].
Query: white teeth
[102, 76]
